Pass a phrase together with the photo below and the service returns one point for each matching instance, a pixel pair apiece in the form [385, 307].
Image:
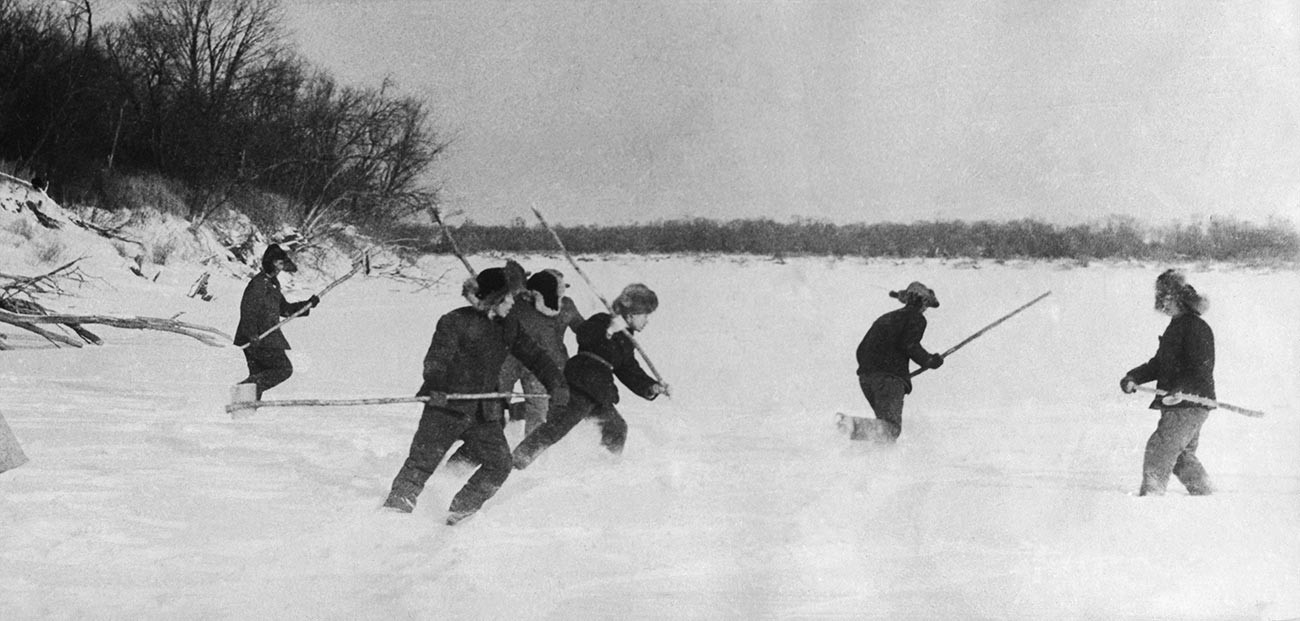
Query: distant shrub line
[1219, 239]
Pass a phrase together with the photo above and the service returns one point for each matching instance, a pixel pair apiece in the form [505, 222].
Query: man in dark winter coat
[468, 348]
[545, 314]
[883, 355]
[1184, 363]
[262, 307]
[605, 351]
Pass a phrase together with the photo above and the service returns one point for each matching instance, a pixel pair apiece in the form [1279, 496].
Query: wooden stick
[447, 235]
[602, 299]
[245, 405]
[306, 307]
[985, 329]
[1205, 401]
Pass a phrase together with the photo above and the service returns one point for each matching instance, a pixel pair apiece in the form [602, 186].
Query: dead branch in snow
[204, 334]
[43, 283]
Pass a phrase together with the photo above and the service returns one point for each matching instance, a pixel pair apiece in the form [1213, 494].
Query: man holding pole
[260, 310]
[605, 352]
[469, 346]
[893, 339]
[1184, 364]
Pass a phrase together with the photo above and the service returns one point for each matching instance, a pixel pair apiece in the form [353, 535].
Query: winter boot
[400, 502]
[456, 517]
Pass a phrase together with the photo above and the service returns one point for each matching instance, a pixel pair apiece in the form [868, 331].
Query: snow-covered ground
[1009, 495]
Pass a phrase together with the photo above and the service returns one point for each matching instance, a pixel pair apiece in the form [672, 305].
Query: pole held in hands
[609, 308]
[240, 403]
[364, 262]
[1199, 400]
[985, 329]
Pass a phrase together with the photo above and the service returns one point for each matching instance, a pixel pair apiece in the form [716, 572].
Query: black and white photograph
[626, 309]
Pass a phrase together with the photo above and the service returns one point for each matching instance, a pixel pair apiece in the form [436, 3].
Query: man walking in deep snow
[893, 339]
[1184, 363]
[545, 314]
[261, 308]
[605, 351]
[465, 356]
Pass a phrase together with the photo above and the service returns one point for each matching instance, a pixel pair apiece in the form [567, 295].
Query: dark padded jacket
[261, 308]
[601, 358]
[548, 330]
[466, 355]
[892, 340]
[1184, 361]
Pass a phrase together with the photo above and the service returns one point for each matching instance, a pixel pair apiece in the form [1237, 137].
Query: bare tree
[195, 65]
[359, 154]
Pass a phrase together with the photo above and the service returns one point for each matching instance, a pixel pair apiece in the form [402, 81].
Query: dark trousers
[532, 410]
[560, 421]
[485, 443]
[1172, 449]
[884, 394]
[267, 367]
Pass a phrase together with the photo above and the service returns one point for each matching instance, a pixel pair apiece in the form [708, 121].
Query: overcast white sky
[849, 111]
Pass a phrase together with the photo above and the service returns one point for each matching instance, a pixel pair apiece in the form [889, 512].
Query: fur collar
[539, 302]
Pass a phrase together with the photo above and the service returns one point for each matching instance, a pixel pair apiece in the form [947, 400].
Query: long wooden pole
[306, 307]
[1205, 401]
[446, 233]
[608, 307]
[253, 405]
[985, 329]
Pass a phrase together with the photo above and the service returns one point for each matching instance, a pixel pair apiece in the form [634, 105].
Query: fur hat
[1173, 282]
[486, 289]
[916, 293]
[636, 299]
[545, 286]
[275, 253]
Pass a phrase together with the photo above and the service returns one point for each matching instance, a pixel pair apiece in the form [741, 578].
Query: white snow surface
[1009, 495]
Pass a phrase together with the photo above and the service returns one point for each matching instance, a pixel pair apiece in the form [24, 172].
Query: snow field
[1009, 495]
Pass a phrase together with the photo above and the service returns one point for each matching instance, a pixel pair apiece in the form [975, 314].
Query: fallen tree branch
[27, 284]
[19, 306]
[52, 337]
[204, 334]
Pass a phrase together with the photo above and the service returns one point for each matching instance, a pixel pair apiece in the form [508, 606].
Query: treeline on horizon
[205, 100]
[1218, 239]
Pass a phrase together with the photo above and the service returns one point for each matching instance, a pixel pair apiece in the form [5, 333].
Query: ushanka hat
[275, 253]
[916, 293]
[489, 286]
[546, 284]
[1173, 283]
[636, 299]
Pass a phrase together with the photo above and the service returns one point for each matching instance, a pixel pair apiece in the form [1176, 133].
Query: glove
[1128, 385]
[560, 397]
[617, 324]
[659, 389]
[935, 361]
[313, 300]
[437, 398]
[1171, 399]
